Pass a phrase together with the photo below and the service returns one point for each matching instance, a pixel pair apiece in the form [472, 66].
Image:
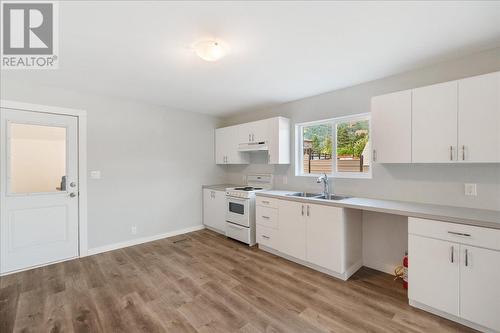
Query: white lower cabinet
[480, 286]
[325, 237]
[433, 276]
[214, 209]
[455, 269]
[292, 228]
[312, 234]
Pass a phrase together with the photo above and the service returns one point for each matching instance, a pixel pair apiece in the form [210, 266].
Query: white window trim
[333, 123]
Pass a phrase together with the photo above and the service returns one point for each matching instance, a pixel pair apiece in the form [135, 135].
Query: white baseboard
[451, 317]
[142, 240]
[382, 267]
[342, 276]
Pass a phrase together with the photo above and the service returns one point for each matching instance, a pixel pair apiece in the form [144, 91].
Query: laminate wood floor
[203, 282]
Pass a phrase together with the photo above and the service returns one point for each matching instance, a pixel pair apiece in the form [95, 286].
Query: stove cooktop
[248, 188]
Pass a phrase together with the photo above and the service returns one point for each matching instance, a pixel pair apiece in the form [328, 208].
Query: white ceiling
[280, 51]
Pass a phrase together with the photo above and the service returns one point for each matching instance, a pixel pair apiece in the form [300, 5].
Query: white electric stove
[240, 208]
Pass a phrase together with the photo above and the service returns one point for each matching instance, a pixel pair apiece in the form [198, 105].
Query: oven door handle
[230, 198]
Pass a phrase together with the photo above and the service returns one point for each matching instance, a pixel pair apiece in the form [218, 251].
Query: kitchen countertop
[219, 187]
[470, 216]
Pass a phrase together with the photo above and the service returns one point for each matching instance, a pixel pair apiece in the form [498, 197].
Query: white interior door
[39, 189]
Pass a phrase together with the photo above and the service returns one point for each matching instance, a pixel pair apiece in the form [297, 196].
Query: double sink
[317, 196]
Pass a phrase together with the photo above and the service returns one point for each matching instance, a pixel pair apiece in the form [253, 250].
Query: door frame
[81, 116]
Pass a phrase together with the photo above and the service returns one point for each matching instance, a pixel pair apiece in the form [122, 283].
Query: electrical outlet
[470, 190]
[95, 174]
[133, 230]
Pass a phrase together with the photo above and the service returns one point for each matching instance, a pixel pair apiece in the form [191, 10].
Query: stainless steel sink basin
[334, 197]
[305, 195]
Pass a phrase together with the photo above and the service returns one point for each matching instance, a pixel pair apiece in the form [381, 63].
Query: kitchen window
[339, 147]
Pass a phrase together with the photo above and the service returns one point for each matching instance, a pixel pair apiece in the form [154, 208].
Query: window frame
[333, 122]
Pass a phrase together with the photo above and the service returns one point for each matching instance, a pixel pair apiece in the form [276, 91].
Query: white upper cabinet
[451, 122]
[479, 119]
[256, 131]
[279, 140]
[226, 147]
[434, 128]
[391, 127]
[271, 135]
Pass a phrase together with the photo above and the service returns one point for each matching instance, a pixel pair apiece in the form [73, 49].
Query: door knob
[72, 184]
[72, 194]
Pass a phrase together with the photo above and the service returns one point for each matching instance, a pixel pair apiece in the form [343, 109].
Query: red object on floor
[405, 270]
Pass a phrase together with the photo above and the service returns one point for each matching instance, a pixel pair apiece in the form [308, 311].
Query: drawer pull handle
[266, 237]
[459, 233]
[265, 202]
[265, 217]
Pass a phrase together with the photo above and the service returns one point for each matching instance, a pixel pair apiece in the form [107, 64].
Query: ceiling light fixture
[210, 50]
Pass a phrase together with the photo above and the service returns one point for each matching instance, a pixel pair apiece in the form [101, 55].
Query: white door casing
[41, 225]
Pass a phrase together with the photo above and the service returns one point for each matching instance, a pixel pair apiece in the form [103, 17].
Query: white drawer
[240, 233]
[266, 202]
[267, 217]
[267, 237]
[454, 232]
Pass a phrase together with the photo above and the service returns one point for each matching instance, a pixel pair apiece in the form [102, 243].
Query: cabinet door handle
[466, 258]
[374, 155]
[265, 237]
[463, 153]
[265, 217]
[302, 210]
[452, 254]
[451, 153]
[307, 210]
[265, 202]
[459, 233]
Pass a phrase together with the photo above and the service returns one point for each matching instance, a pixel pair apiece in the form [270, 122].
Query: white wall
[153, 162]
[384, 238]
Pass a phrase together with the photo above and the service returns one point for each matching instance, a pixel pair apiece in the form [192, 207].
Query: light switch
[95, 174]
[471, 189]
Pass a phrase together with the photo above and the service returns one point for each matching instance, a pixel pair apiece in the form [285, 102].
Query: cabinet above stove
[234, 144]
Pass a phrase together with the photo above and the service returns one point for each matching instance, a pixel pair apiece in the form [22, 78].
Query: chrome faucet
[326, 189]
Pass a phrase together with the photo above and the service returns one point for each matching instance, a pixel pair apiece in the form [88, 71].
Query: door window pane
[37, 158]
[317, 149]
[353, 153]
